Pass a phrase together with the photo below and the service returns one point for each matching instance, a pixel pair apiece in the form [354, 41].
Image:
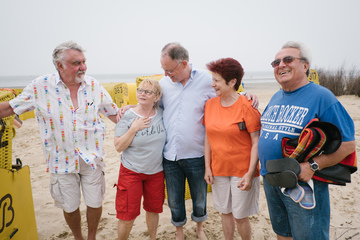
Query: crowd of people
[191, 125]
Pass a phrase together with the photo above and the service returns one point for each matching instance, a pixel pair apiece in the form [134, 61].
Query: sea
[21, 81]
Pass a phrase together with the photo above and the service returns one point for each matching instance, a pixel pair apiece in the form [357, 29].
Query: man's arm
[121, 111]
[113, 118]
[326, 160]
[6, 110]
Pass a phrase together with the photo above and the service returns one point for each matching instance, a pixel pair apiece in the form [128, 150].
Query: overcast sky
[127, 36]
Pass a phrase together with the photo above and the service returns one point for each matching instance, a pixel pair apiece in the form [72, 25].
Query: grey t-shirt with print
[145, 153]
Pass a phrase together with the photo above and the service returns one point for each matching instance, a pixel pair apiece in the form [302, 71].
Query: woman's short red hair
[229, 69]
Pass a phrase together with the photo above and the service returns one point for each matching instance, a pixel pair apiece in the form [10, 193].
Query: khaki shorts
[65, 188]
[228, 198]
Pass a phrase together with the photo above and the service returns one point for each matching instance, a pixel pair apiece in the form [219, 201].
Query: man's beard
[79, 79]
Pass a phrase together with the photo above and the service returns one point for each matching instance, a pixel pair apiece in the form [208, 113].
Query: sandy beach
[345, 201]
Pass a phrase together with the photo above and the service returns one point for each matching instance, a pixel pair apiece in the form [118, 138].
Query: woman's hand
[245, 182]
[140, 123]
[123, 142]
[209, 178]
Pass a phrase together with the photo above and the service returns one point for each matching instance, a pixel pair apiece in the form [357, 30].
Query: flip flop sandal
[308, 201]
[283, 164]
[296, 194]
[286, 179]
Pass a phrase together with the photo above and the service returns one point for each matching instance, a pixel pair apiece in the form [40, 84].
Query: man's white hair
[304, 51]
[59, 51]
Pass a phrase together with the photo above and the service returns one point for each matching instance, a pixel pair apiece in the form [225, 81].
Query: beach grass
[341, 82]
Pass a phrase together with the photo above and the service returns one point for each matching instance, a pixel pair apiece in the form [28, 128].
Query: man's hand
[254, 98]
[122, 110]
[5, 110]
[306, 173]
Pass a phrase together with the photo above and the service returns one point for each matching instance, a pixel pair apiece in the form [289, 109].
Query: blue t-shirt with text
[289, 112]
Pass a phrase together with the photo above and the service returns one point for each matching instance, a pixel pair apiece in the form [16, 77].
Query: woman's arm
[207, 155]
[246, 181]
[123, 142]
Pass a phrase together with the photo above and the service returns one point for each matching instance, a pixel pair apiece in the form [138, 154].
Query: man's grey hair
[58, 53]
[175, 51]
[304, 52]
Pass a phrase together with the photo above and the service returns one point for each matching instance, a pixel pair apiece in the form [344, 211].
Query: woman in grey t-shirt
[140, 136]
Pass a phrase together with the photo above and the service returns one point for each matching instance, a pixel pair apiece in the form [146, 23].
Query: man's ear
[306, 67]
[185, 63]
[60, 66]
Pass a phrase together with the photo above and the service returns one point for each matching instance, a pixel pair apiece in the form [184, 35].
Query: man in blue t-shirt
[287, 113]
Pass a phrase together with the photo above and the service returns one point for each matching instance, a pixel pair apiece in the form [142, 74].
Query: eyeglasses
[286, 60]
[169, 72]
[147, 92]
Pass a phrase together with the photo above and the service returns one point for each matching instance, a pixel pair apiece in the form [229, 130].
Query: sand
[345, 201]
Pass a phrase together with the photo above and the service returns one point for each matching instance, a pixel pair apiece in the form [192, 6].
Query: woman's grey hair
[155, 87]
[304, 52]
[58, 53]
[175, 51]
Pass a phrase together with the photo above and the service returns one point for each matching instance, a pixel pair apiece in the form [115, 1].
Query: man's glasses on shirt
[286, 60]
[147, 92]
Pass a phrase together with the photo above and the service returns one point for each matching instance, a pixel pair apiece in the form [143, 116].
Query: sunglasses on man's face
[286, 60]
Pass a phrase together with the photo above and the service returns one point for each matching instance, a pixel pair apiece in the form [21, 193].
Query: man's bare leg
[200, 231]
[283, 238]
[73, 219]
[93, 216]
[180, 233]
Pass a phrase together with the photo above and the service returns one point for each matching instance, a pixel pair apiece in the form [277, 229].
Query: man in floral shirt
[67, 106]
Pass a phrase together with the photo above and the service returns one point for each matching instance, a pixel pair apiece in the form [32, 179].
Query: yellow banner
[17, 216]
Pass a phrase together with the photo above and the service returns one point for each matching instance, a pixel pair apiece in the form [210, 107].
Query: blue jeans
[175, 174]
[289, 219]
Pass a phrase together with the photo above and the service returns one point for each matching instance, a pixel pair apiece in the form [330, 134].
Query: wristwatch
[313, 165]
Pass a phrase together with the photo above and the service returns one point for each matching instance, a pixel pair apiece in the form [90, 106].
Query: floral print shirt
[68, 133]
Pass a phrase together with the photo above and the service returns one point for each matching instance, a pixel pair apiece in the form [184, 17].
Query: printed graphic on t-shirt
[153, 129]
[282, 119]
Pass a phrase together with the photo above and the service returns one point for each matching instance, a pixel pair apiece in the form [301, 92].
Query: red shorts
[132, 186]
